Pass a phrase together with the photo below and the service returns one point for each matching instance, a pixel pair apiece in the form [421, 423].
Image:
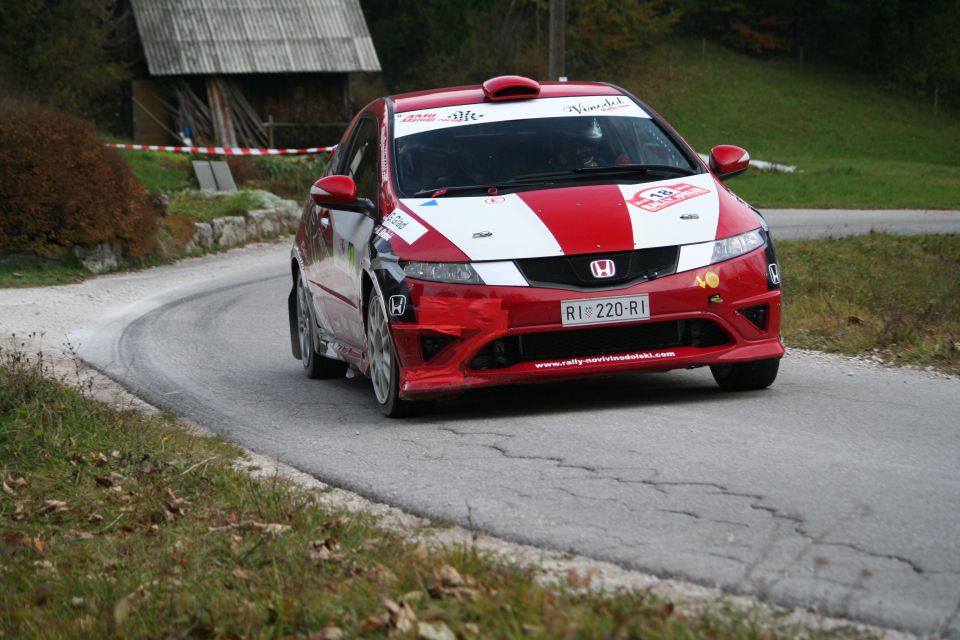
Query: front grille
[574, 271]
[599, 341]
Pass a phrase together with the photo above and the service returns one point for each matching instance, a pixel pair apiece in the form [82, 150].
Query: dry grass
[894, 296]
[113, 523]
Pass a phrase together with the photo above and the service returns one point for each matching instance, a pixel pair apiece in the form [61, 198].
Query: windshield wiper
[519, 181]
[614, 169]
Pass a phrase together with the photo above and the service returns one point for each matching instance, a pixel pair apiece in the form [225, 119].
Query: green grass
[117, 524]
[894, 296]
[40, 275]
[160, 171]
[204, 208]
[858, 143]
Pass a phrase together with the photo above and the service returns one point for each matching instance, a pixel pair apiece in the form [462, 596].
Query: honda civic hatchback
[521, 232]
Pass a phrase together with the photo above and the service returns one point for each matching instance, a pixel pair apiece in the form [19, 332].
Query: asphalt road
[791, 224]
[837, 489]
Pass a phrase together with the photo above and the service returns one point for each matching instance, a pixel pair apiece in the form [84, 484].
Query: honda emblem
[774, 271]
[398, 304]
[603, 268]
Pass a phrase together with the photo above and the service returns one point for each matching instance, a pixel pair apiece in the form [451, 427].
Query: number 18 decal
[656, 198]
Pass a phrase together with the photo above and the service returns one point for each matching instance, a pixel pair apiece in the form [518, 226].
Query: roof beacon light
[511, 88]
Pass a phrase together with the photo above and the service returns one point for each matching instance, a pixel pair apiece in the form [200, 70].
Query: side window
[362, 162]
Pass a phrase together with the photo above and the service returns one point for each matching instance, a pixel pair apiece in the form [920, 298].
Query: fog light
[430, 346]
[757, 315]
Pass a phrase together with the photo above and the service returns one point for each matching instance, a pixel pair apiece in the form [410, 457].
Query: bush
[60, 186]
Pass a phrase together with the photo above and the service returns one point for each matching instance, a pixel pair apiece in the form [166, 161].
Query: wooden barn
[247, 72]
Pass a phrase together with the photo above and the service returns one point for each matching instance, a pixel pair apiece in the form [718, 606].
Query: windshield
[495, 153]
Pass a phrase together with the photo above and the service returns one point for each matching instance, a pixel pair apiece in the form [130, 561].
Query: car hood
[567, 221]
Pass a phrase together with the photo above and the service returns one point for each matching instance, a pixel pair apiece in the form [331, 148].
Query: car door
[319, 248]
[349, 233]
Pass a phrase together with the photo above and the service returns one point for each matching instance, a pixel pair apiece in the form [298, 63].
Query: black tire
[384, 370]
[315, 365]
[746, 376]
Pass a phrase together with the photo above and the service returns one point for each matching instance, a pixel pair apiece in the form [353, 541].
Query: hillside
[858, 144]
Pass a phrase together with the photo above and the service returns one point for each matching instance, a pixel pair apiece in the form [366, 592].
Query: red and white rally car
[525, 232]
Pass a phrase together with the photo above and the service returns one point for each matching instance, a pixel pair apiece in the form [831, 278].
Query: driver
[581, 145]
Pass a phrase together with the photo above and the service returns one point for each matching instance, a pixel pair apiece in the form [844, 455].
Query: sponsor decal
[400, 224]
[351, 255]
[628, 357]
[710, 279]
[419, 117]
[430, 203]
[483, 234]
[658, 198]
[495, 200]
[462, 115]
[774, 272]
[384, 174]
[610, 104]
[397, 304]
[603, 268]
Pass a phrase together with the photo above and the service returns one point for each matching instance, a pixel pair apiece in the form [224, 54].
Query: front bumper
[467, 336]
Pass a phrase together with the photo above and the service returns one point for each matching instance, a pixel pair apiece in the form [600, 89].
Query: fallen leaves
[70, 534]
[323, 550]
[112, 480]
[402, 617]
[267, 528]
[10, 486]
[33, 542]
[435, 631]
[53, 506]
[448, 583]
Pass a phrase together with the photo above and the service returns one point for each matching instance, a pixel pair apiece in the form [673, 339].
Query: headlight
[454, 272]
[737, 245]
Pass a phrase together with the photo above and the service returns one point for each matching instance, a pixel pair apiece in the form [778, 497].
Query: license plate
[602, 310]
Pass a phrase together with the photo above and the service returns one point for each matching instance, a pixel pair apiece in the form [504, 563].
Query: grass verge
[114, 523]
[894, 296]
[40, 274]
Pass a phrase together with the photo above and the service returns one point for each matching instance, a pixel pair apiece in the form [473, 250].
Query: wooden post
[223, 129]
[556, 62]
[270, 130]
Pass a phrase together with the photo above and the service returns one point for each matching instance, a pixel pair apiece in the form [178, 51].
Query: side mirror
[340, 192]
[728, 161]
[334, 191]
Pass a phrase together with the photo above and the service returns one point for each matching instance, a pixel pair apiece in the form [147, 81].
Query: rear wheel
[746, 376]
[314, 364]
[384, 369]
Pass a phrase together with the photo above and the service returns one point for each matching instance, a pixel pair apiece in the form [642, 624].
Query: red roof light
[510, 88]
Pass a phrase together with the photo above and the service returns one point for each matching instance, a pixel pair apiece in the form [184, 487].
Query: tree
[59, 52]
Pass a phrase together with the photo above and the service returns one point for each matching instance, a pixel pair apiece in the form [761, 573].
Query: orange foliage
[60, 186]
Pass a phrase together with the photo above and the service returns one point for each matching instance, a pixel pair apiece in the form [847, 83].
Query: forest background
[75, 54]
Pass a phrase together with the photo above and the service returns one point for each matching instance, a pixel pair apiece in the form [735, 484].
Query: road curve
[837, 489]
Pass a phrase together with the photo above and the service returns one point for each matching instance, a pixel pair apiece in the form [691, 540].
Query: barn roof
[183, 37]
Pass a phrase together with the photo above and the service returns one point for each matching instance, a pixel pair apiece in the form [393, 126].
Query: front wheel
[314, 364]
[384, 370]
[746, 376]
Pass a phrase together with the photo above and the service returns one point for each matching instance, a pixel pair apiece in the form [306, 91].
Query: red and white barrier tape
[224, 151]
